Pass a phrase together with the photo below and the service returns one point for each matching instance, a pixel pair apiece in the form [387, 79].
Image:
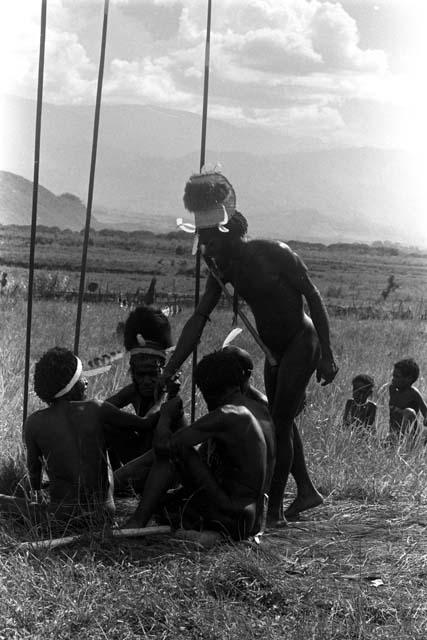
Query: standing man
[273, 281]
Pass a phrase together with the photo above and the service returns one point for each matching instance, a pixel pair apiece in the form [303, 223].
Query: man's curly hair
[203, 194]
[408, 368]
[237, 225]
[218, 371]
[53, 372]
[365, 379]
[151, 324]
[243, 358]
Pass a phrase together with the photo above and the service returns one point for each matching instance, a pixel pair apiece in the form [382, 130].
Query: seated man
[231, 497]
[68, 440]
[147, 337]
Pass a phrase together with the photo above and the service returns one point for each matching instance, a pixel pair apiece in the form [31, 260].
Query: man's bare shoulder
[237, 415]
[416, 393]
[263, 244]
[36, 419]
[275, 251]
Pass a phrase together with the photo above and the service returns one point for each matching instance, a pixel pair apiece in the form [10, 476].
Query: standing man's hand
[161, 384]
[173, 385]
[326, 371]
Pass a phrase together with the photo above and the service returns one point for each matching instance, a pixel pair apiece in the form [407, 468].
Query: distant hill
[287, 187]
[68, 212]
[16, 193]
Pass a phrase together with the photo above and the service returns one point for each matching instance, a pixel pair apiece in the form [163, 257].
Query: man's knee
[409, 415]
[283, 419]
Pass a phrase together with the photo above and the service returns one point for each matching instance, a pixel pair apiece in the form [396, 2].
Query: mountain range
[288, 188]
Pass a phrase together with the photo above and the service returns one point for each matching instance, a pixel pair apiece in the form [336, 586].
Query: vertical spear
[34, 205]
[91, 179]
[202, 162]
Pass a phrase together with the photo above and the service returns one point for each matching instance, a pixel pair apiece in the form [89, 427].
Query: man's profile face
[78, 392]
[145, 372]
[213, 243]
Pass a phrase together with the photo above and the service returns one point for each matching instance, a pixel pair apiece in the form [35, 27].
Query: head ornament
[212, 200]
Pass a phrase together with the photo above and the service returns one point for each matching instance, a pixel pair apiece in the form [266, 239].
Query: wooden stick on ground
[56, 543]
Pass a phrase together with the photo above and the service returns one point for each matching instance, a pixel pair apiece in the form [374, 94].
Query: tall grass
[312, 580]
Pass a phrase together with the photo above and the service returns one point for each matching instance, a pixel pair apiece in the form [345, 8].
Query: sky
[350, 73]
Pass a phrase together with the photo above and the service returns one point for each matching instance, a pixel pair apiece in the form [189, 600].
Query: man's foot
[276, 519]
[302, 503]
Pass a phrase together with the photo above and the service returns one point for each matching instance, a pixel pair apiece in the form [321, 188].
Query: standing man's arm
[34, 455]
[192, 330]
[296, 273]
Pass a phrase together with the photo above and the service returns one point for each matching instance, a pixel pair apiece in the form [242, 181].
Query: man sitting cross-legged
[229, 497]
[68, 440]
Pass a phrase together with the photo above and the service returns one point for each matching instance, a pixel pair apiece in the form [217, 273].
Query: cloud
[334, 35]
[69, 74]
[276, 63]
[150, 80]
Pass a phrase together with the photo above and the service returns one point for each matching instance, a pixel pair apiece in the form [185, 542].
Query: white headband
[74, 379]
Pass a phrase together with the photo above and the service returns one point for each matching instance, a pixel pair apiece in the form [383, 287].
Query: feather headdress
[212, 199]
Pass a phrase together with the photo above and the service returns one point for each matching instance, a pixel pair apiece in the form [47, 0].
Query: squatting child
[405, 401]
[359, 410]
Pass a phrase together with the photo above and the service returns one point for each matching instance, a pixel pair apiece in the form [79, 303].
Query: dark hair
[203, 192]
[237, 225]
[53, 372]
[366, 379]
[409, 368]
[243, 358]
[216, 372]
[151, 324]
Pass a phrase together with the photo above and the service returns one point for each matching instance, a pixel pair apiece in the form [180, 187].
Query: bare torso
[70, 438]
[259, 275]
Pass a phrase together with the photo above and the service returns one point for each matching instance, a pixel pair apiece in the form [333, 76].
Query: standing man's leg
[285, 388]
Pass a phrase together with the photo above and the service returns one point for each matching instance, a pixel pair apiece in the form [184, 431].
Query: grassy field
[355, 568]
[121, 262]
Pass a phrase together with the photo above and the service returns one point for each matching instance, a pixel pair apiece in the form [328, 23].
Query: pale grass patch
[314, 580]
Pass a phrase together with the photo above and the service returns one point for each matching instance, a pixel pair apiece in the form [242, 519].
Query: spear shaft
[34, 206]
[270, 358]
[91, 179]
[202, 162]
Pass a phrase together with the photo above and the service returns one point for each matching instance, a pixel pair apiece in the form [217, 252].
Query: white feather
[233, 334]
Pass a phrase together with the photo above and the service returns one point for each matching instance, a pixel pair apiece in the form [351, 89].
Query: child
[67, 439]
[405, 400]
[359, 409]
